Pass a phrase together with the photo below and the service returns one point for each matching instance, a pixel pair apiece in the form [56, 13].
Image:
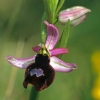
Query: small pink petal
[52, 36]
[20, 62]
[36, 48]
[58, 51]
[61, 66]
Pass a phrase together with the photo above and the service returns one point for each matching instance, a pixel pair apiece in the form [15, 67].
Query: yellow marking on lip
[44, 51]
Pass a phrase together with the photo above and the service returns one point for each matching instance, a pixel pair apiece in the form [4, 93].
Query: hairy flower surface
[40, 68]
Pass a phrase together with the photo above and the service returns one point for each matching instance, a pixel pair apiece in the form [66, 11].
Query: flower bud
[75, 14]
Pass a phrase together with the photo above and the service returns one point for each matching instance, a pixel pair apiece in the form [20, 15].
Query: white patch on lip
[38, 72]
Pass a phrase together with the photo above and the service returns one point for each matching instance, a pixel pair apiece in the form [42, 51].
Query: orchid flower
[40, 68]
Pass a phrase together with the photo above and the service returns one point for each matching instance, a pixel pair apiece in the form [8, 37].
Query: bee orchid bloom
[40, 68]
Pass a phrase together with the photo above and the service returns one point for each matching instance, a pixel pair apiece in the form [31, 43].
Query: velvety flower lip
[40, 73]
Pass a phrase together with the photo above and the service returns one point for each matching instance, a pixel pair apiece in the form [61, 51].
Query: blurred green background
[20, 30]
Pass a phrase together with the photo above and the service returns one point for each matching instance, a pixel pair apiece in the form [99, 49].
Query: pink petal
[58, 51]
[20, 62]
[61, 66]
[52, 36]
[36, 48]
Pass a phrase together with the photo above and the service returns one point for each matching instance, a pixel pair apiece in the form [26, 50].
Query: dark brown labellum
[40, 73]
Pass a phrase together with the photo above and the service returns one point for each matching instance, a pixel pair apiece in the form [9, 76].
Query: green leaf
[50, 8]
[65, 35]
[60, 4]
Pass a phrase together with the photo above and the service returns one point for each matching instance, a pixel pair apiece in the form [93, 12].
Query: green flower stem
[33, 94]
